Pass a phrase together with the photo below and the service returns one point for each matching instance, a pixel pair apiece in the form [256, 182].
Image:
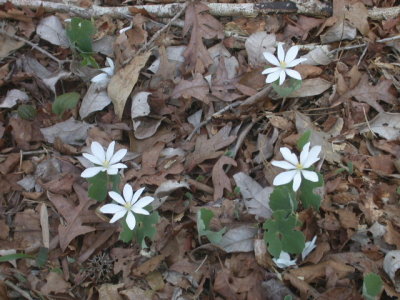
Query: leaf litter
[212, 182]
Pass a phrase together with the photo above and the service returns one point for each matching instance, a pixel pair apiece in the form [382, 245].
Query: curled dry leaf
[51, 30]
[12, 98]
[311, 87]
[256, 44]
[197, 88]
[385, 124]
[140, 107]
[96, 99]
[240, 239]
[391, 265]
[122, 83]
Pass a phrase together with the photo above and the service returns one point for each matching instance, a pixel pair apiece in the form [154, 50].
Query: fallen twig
[34, 46]
[313, 8]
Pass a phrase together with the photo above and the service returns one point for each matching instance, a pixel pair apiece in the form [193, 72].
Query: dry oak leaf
[208, 148]
[122, 83]
[203, 25]
[370, 94]
[197, 88]
[56, 284]
[72, 214]
[219, 178]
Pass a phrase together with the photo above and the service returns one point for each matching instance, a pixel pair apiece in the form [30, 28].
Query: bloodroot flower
[105, 161]
[106, 74]
[296, 168]
[127, 205]
[282, 64]
[284, 260]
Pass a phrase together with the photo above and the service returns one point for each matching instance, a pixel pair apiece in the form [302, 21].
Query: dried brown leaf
[219, 178]
[197, 88]
[208, 148]
[122, 83]
[72, 215]
[205, 26]
[364, 92]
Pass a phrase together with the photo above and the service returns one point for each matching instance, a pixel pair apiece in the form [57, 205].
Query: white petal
[296, 181]
[271, 59]
[110, 62]
[273, 77]
[98, 151]
[289, 156]
[271, 70]
[112, 171]
[284, 177]
[137, 195]
[282, 77]
[118, 156]
[312, 156]
[291, 54]
[118, 166]
[281, 52]
[131, 221]
[117, 197]
[283, 164]
[128, 193]
[310, 175]
[108, 71]
[304, 153]
[91, 172]
[293, 73]
[118, 216]
[295, 62]
[143, 202]
[110, 151]
[92, 158]
[100, 78]
[139, 210]
[111, 208]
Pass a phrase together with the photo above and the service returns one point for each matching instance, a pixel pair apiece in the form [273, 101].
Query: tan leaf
[357, 15]
[207, 148]
[72, 215]
[219, 178]
[122, 83]
[205, 26]
[55, 283]
[197, 88]
[110, 291]
[364, 92]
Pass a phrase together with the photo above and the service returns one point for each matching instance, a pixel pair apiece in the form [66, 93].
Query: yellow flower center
[106, 164]
[283, 65]
[299, 166]
[128, 206]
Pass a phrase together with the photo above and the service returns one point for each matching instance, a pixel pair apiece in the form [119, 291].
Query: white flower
[282, 64]
[296, 169]
[108, 72]
[310, 246]
[284, 260]
[105, 161]
[121, 31]
[128, 204]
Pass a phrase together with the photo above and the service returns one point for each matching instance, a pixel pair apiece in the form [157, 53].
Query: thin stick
[18, 290]
[34, 46]
[162, 30]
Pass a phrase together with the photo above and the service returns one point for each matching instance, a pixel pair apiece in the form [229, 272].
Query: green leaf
[14, 256]
[280, 234]
[287, 87]
[304, 139]
[26, 112]
[115, 181]
[307, 195]
[288, 297]
[64, 102]
[98, 186]
[88, 60]
[42, 256]
[145, 227]
[204, 217]
[80, 33]
[372, 286]
[283, 198]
